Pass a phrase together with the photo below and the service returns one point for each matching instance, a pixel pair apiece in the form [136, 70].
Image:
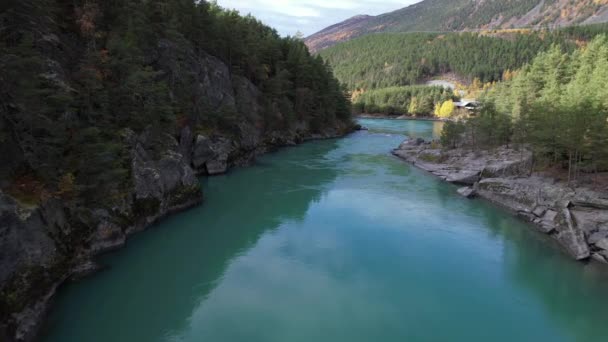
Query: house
[467, 104]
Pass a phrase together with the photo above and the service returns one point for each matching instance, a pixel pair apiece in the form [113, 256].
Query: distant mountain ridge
[465, 15]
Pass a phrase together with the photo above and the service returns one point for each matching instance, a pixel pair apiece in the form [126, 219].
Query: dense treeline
[557, 106]
[396, 59]
[410, 100]
[75, 74]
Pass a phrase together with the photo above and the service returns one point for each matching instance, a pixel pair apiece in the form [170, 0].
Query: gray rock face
[212, 156]
[215, 84]
[186, 142]
[222, 148]
[248, 96]
[217, 167]
[159, 179]
[25, 241]
[107, 236]
[576, 218]
[202, 152]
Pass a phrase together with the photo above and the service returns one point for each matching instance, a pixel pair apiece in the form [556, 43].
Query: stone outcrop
[576, 217]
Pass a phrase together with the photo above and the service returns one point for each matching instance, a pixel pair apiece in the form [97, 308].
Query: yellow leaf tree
[445, 110]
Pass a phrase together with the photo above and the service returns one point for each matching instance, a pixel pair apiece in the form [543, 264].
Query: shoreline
[402, 117]
[577, 218]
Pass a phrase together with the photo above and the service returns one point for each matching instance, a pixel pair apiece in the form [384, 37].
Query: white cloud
[310, 16]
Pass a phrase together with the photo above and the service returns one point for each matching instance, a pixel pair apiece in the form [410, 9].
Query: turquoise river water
[335, 241]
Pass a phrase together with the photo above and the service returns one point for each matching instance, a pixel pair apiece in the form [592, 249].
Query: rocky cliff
[46, 242]
[576, 217]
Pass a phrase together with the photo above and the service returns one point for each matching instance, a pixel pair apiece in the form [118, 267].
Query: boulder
[217, 167]
[202, 152]
[599, 257]
[603, 244]
[547, 223]
[157, 179]
[416, 142]
[467, 192]
[571, 237]
[222, 149]
[539, 211]
[597, 236]
[465, 177]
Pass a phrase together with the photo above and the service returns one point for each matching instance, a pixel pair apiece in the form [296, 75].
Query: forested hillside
[557, 106]
[394, 59]
[387, 60]
[128, 68]
[414, 100]
[466, 15]
[108, 109]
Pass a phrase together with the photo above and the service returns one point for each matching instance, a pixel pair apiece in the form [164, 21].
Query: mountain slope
[462, 15]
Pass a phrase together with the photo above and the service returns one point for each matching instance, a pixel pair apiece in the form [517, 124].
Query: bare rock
[465, 177]
[186, 141]
[202, 152]
[217, 167]
[108, 236]
[25, 241]
[603, 244]
[161, 182]
[467, 192]
[539, 211]
[599, 257]
[597, 237]
[590, 219]
[571, 237]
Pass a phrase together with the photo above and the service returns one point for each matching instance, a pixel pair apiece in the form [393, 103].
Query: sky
[309, 16]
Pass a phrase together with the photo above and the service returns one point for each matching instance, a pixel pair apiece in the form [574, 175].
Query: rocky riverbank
[56, 241]
[399, 117]
[576, 217]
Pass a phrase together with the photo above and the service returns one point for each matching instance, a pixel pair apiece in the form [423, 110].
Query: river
[332, 241]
